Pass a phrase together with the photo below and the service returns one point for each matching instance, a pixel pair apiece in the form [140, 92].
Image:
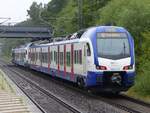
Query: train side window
[54, 56]
[61, 58]
[40, 56]
[36, 56]
[68, 58]
[75, 57]
[51, 55]
[88, 49]
[46, 57]
[80, 56]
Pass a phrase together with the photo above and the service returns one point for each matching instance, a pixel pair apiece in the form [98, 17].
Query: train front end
[113, 49]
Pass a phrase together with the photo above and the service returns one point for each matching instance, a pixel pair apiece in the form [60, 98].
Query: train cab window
[88, 49]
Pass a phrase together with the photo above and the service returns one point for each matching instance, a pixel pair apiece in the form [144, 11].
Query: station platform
[12, 99]
[10, 103]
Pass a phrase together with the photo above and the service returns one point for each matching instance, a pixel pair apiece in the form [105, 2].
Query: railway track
[122, 102]
[65, 104]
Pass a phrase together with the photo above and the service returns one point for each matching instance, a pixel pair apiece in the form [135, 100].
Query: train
[100, 58]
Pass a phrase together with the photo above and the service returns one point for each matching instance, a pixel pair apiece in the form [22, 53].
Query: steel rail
[37, 105]
[106, 100]
[48, 93]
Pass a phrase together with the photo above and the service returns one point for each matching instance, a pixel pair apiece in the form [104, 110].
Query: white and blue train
[99, 57]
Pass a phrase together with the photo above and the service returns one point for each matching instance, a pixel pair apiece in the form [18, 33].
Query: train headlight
[101, 67]
[129, 67]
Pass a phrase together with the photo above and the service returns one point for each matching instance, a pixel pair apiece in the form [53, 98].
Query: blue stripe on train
[92, 79]
[96, 78]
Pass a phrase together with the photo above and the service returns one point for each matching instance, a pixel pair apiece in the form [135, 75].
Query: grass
[6, 58]
[137, 95]
[4, 84]
[141, 89]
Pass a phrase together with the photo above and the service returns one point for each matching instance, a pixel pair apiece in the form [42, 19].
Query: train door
[87, 58]
[80, 59]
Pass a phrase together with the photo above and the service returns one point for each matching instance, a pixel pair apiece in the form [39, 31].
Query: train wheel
[80, 82]
[116, 92]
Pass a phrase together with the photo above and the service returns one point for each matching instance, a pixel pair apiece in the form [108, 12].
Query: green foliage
[131, 14]
[8, 44]
[90, 11]
[35, 15]
[67, 21]
[55, 6]
[64, 14]
[35, 11]
[143, 78]
[61, 14]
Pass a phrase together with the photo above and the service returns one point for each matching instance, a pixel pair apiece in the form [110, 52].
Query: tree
[35, 12]
[90, 11]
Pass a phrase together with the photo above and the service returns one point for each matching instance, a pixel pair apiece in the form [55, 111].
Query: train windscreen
[113, 45]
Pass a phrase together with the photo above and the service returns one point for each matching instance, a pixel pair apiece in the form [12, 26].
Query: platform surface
[11, 103]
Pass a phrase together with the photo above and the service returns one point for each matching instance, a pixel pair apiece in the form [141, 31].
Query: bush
[131, 14]
[143, 77]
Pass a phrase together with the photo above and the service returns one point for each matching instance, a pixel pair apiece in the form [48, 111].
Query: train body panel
[102, 57]
[20, 55]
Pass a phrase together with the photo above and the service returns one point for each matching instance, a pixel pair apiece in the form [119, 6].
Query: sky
[16, 9]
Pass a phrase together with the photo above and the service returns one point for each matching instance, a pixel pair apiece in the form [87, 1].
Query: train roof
[78, 36]
[25, 46]
[107, 29]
